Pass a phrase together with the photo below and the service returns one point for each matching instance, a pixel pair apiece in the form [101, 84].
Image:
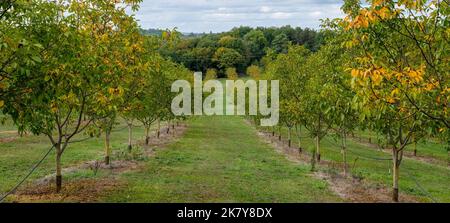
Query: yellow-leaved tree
[401, 70]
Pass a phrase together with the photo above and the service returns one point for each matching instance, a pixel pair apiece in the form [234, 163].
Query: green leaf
[36, 59]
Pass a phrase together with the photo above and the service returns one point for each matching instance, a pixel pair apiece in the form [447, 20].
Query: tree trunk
[158, 131]
[318, 148]
[279, 133]
[130, 136]
[318, 139]
[168, 127]
[58, 168]
[299, 136]
[289, 136]
[147, 135]
[273, 131]
[174, 130]
[344, 153]
[415, 148]
[107, 147]
[448, 158]
[448, 149]
[395, 173]
[313, 160]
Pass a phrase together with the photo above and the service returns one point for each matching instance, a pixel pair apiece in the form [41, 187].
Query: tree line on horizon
[238, 48]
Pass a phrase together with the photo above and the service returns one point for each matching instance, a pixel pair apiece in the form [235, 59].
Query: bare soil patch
[78, 191]
[359, 191]
[115, 167]
[165, 138]
[8, 136]
[8, 132]
[7, 139]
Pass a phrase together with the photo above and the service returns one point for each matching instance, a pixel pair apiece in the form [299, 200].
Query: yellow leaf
[2, 103]
[395, 92]
[111, 91]
[377, 3]
[54, 108]
[399, 75]
[355, 73]
[391, 100]
[429, 87]
[376, 77]
[384, 12]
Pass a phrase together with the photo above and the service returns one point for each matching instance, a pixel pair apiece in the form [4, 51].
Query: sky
[200, 16]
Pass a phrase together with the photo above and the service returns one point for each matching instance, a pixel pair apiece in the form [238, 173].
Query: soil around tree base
[351, 189]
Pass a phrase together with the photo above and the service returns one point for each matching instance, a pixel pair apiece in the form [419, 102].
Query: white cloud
[281, 15]
[222, 15]
[265, 9]
[315, 13]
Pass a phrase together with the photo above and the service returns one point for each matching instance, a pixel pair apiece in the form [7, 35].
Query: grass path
[221, 159]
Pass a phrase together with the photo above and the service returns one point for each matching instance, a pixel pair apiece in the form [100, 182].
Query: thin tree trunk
[147, 135]
[289, 136]
[448, 158]
[448, 149]
[318, 148]
[107, 147]
[58, 168]
[279, 133]
[273, 131]
[344, 153]
[415, 148]
[395, 173]
[130, 136]
[313, 160]
[318, 139]
[168, 127]
[299, 136]
[158, 131]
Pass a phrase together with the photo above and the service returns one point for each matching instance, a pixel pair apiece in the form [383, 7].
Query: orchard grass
[221, 159]
[427, 148]
[18, 156]
[432, 178]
